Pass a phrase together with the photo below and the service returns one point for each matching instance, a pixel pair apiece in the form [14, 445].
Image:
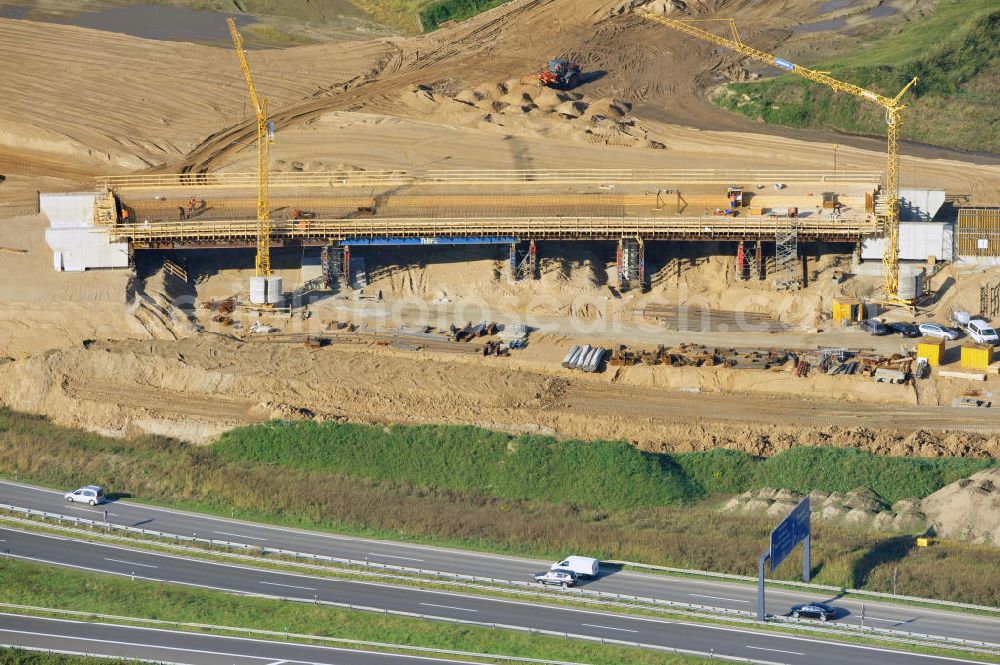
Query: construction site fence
[740, 616]
[662, 177]
[526, 228]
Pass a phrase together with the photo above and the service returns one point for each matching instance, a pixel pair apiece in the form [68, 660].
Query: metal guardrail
[810, 585]
[714, 612]
[86, 654]
[664, 177]
[400, 647]
[283, 635]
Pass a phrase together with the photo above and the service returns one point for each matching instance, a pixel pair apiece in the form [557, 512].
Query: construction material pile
[896, 368]
[585, 358]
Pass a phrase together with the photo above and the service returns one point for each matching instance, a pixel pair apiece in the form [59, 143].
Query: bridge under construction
[340, 209]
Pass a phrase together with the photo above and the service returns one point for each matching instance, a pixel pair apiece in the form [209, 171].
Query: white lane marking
[299, 532]
[237, 535]
[139, 644]
[731, 600]
[449, 607]
[794, 653]
[278, 662]
[889, 620]
[131, 563]
[290, 586]
[393, 556]
[594, 625]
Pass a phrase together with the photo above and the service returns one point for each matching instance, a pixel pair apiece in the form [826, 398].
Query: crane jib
[784, 64]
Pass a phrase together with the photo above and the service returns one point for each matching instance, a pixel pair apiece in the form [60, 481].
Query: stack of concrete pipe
[585, 358]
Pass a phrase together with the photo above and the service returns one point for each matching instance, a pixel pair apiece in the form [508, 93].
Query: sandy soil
[967, 509]
[195, 387]
[459, 98]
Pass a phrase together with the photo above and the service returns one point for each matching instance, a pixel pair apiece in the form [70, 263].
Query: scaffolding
[631, 263]
[523, 265]
[786, 249]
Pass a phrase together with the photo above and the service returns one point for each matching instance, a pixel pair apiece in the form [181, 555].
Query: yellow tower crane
[265, 133]
[893, 118]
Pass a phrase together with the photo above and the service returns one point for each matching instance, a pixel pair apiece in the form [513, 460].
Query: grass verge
[115, 590]
[432, 16]
[236, 478]
[955, 53]
[44, 586]
[24, 657]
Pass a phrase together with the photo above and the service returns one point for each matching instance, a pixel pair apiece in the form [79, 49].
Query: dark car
[873, 327]
[814, 611]
[904, 329]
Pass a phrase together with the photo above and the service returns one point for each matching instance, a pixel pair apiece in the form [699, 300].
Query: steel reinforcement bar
[664, 177]
[159, 234]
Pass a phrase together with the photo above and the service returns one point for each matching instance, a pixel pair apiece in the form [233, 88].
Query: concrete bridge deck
[242, 233]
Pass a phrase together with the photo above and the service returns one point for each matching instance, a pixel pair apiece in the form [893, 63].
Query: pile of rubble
[860, 507]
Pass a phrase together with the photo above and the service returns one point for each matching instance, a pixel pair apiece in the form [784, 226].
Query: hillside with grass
[523, 495]
[597, 474]
[956, 54]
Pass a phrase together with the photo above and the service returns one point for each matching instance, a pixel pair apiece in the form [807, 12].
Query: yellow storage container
[931, 349]
[976, 356]
[842, 308]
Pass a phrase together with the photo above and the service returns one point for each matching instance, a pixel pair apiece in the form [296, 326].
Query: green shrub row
[432, 16]
[604, 474]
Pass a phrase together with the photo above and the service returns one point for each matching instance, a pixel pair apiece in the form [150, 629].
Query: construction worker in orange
[124, 215]
[191, 205]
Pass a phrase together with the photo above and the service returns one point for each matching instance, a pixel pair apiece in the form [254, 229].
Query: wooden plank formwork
[978, 232]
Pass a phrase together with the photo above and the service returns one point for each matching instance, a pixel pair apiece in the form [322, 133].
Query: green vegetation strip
[210, 625]
[44, 586]
[605, 474]
[531, 496]
[954, 52]
[432, 16]
[25, 657]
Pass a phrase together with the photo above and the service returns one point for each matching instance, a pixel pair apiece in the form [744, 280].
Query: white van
[976, 328]
[581, 565]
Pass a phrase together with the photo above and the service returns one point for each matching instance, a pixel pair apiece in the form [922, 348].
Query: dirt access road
[175, 387]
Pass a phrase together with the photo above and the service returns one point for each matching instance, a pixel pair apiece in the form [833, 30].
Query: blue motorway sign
[792, 530]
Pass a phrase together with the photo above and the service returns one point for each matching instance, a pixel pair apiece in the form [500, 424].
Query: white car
[564, 578]
[937, 330]
[91, 494]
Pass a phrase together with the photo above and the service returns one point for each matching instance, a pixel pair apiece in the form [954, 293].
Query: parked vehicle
[583, 566]
[563, 578]
[814, 611]
[91, 494]
[874, 327]
[903, 329]
[976, 328]
[937, 330]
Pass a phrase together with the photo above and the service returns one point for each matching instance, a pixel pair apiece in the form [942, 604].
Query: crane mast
[263, 262]
[893, 118]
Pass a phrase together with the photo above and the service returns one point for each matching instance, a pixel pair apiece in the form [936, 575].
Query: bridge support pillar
[336, 261]
[522, 265]
[630, 260]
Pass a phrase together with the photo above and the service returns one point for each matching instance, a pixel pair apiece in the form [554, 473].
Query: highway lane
[710, 593]
[736, 642]
[182, 647]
